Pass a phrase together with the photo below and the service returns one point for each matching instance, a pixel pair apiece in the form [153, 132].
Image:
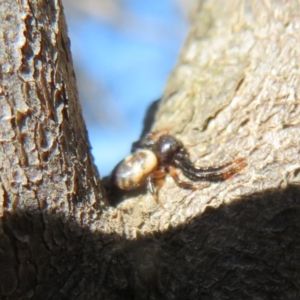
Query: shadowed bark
[233, 93]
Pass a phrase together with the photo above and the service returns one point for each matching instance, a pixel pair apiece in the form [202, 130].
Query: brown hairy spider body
[158, 154]
[134, 169]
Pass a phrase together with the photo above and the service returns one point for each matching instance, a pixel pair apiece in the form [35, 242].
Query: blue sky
[121, 69]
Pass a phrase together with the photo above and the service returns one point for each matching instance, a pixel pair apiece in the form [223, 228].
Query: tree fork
[233, 93]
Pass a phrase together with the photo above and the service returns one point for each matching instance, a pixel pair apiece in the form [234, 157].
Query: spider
[157, 154]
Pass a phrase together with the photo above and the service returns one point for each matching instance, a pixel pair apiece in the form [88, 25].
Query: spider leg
[185, 184]
[148, 140]
[219, 167]
[154, 182]
[151, 188]
[213, 173]
[237, 165]
[183, 162]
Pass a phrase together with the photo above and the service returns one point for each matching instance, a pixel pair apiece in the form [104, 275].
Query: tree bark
[50, 192]
[233, 93]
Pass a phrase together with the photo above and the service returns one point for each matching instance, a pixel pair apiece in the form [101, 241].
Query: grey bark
[234, 92]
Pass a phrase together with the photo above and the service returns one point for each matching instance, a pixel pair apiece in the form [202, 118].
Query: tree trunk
[234, 93]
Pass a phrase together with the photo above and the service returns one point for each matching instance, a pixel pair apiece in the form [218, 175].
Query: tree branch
[234, 93]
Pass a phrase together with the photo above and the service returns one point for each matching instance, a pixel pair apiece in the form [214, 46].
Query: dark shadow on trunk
[248, 249]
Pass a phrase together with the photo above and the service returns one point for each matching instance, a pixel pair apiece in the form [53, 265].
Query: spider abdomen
[134, 169]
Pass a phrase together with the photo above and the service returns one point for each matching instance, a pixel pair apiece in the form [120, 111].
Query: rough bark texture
[49, 185]
[234, 92]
